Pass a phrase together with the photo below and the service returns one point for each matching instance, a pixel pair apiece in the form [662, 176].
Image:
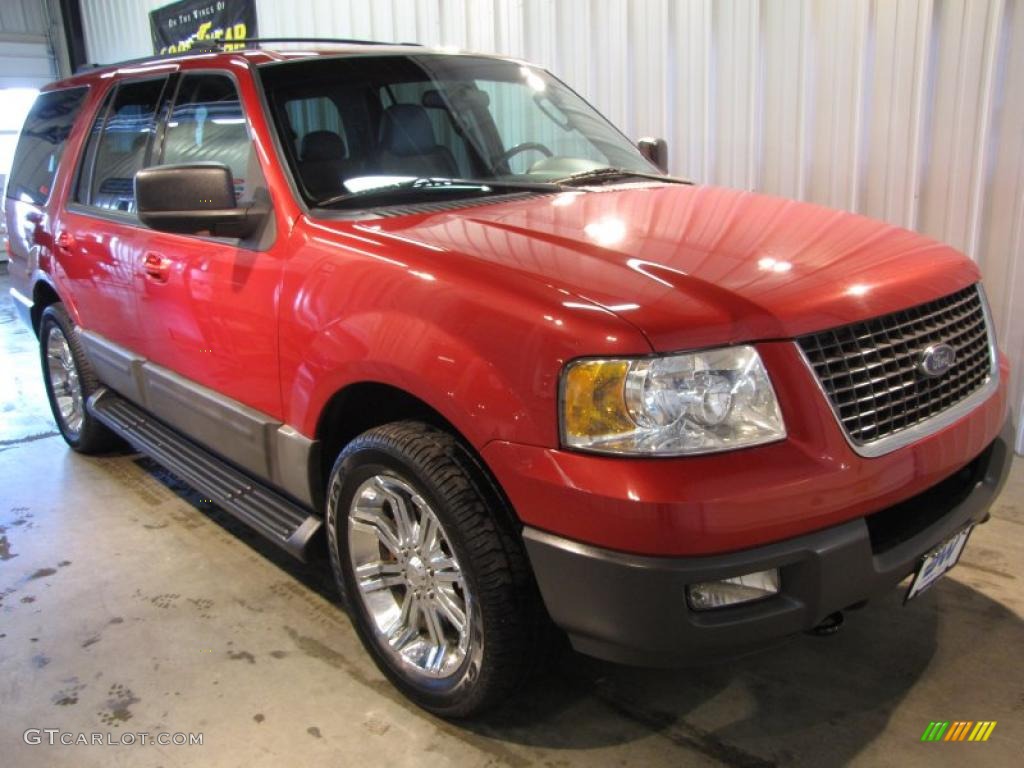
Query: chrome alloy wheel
[408, 578]
[63, 374]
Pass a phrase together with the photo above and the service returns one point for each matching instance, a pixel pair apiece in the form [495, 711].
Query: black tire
[510, 627]
[90, 436]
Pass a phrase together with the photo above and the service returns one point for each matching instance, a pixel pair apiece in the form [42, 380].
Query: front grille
[870, 370]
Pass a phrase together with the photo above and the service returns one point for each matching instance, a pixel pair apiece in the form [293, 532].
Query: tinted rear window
[41, 144]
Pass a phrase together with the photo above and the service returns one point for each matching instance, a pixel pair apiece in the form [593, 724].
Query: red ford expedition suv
[433, 313]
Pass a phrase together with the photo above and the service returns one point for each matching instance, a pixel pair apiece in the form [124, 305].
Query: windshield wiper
[614, 174]
[429, 186]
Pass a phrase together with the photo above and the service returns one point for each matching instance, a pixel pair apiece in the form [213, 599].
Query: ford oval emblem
[937, 359]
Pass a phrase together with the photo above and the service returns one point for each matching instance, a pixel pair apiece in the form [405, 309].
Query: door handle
[39, 235]
[64, 241]
[156, 267]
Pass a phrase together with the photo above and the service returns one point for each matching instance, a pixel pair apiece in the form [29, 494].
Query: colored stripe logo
[958, 730]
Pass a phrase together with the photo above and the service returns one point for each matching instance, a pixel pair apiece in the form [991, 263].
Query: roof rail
[198, 46]
[214, 45]
[343, 40]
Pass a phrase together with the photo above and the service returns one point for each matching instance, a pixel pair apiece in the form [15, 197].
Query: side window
[207, 125]
[119, 145]
[42, 143]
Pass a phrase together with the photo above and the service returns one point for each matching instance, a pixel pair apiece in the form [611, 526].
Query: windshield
[355, 124]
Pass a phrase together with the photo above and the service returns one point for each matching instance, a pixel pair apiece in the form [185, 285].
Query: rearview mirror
[466, 96]
[655, 150]
[194, 199]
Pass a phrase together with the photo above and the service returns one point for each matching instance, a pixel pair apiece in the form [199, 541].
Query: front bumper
[632, 609]
[735, 500]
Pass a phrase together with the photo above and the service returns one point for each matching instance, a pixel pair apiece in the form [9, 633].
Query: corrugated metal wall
[910, 111]
[27, 58]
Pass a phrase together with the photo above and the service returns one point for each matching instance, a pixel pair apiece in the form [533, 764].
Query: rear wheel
[439, 592]
[69, 382]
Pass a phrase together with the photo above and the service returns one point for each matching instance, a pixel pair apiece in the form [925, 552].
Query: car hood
[693, 266]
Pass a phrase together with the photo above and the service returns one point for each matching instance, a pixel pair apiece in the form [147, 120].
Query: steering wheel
[526, 146]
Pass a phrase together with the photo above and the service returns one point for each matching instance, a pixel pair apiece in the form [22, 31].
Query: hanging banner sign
[178, 26]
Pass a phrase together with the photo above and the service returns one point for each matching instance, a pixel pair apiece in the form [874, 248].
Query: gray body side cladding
[258, 443]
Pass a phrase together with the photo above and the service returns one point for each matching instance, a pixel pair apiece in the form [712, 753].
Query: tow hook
[829, 625]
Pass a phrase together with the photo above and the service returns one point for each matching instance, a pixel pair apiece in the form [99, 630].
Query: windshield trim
[470, 187]
[421, 206]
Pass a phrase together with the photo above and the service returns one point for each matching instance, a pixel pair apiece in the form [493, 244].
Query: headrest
[405, 129]
[322, 145]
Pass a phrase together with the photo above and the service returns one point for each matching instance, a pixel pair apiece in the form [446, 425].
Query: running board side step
[282, 521]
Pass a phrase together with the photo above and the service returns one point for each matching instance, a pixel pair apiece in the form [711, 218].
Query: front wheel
[439, 592]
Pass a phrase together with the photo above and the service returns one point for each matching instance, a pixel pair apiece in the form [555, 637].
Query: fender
[66, 297]
[481, 344]
[476, 396]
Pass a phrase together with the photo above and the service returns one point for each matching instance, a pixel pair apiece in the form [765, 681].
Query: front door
[208, 306]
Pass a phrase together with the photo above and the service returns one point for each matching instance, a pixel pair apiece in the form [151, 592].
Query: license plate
[937, 562]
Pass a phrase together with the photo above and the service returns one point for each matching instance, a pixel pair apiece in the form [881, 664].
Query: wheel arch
[361, 406]
[43, 295]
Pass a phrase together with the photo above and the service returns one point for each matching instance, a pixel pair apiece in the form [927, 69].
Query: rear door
[98, 236]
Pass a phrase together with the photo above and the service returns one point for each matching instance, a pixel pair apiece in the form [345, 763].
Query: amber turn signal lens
[594, 403]
[682, 404]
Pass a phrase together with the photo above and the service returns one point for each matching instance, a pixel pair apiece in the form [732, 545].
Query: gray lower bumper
[632, 609]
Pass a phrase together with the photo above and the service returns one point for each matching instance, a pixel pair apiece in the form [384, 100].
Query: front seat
[408, 146]
[323, 164]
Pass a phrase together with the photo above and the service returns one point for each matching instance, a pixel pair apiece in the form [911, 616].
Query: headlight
[700, 402]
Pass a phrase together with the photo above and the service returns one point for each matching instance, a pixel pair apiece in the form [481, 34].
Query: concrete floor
[129, 605]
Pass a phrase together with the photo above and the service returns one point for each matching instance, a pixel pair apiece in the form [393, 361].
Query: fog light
[738, 589]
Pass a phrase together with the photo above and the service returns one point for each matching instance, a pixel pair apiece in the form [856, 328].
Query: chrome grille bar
[870, 371]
